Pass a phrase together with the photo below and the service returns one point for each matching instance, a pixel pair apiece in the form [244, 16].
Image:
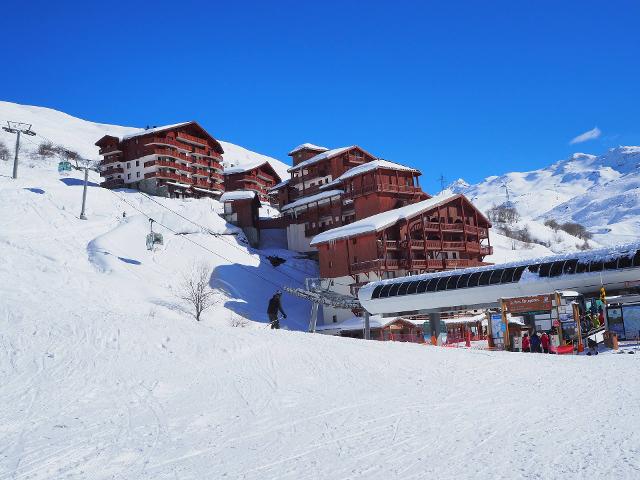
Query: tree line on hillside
[506, 217]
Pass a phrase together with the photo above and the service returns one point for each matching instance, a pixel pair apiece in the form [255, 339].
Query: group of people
[536, 343]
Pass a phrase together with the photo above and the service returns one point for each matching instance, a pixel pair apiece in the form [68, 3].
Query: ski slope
[103, 375]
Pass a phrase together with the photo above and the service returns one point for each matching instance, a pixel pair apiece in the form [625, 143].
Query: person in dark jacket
[535, 343]
[525, 343]
[275, 306]
[545, 340]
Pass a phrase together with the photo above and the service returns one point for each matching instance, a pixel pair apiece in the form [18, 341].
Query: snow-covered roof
[154, 130]
[369, 166]
[308, 146]
[249, 165]
[599, 255]
[237, 195]
[464, 320]
[382, 220]
[311, 199]
[321, 156]
[279, 185]
[357, 323]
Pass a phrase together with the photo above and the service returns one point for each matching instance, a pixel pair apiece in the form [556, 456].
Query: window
[394, 289]
[463, 280]
[496, 276]
[507, 276]
[137, 163]
[422, 286]
[128, 164]
[335, 319]
[518, 273]
[442, 283]
[473, 279]
[137, 174]
[484, 278]
[330, 264]
[413, 287]
[453, 281]
[556, 269]
[128, 176]
[376, 292]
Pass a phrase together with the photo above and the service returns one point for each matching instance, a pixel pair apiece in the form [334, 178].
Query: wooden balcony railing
[169, 142]
[383, 187]
[168, 176]
[190, 139]
[109, 149]
[459, 263]
[168, 152]
[111, 171]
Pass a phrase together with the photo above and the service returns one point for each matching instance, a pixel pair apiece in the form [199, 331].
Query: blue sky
[466, 89]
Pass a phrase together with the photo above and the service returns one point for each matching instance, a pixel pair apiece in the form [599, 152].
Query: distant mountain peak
[458, 186]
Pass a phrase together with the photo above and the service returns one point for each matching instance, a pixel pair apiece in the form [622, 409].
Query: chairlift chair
[153, 238]
[64, 168]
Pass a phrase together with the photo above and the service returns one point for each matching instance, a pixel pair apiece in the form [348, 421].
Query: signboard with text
[527, 304]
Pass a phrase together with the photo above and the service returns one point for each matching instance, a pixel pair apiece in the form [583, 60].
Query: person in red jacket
[525, 343]
[544, 341]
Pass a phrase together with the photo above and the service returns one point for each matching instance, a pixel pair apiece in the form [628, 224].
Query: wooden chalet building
[440, 233]
[241, 208]
[340, 186]
[259, 178]
[180, 160]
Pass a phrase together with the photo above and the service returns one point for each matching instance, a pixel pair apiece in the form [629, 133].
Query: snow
[237, 156]
[382, 220]
[104, 376]
[308, 146]
[311, 199]
[237, 195]
[598, 191]
[369, 166]
[357, 323]
[321, 156]
[147, 131]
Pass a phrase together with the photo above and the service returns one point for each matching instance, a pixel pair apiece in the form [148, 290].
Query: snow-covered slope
[600, 192]
[80, 135]
[104, 376]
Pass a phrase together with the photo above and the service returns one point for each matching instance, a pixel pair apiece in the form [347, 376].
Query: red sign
[534, 303]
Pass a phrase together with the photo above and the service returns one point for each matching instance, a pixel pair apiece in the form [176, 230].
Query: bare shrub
[195, 290]
[577, 230]
[555, 226]
[238, 321]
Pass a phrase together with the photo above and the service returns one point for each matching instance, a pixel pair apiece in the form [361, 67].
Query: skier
[544, 340]
[274, 307]
[535, 343]
[525, 342]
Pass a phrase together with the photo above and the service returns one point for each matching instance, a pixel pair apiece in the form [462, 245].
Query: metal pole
[15, 160]
[84, 193]
[367, 328]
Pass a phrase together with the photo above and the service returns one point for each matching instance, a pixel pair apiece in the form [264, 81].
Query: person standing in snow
[525, 343]
[275, 306]
[535, 343]
[545, 340]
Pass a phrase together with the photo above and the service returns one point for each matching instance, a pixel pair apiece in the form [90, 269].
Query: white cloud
[583, 137]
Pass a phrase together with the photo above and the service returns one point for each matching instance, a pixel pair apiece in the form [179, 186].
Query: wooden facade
[452, 235]
[259, 179]
[178, 161]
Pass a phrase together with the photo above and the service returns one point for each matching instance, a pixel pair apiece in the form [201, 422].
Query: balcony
[199, 172]
[113, 183]
[427, 264]
[167, 152]
[204, 153]
[111, 171]
[109, 150]
[473, 247]
[190, 139]
[384, 188]
[110, 160]
[453, 227]
[168, 176]
[453, 246]
[380, 264]
[389, 244]
[452, 263]
[200, 183]
[167, 142]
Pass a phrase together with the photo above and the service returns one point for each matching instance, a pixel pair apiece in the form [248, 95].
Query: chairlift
[153, 238]
[64, 168]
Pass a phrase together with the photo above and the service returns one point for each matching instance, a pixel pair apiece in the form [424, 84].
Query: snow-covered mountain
[80, 135]
[600, 192]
